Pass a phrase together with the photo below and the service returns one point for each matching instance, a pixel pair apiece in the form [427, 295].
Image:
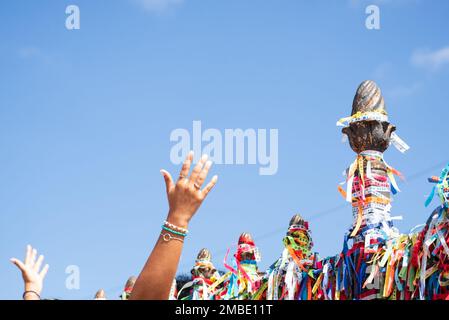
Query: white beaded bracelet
[176, 228]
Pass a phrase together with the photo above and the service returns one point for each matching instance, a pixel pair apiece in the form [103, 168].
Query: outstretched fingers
[28, 255]
[186, 166]
[210, 185]
[168, 180]
[203, 174]
[38, 264]
[19, 264]
[44, 271]
[197, 170]
[32, 261]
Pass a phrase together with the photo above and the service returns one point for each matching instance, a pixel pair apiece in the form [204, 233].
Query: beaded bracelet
[174, 231]
[176, 228]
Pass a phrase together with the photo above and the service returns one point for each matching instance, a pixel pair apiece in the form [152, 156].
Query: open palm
[33, 276]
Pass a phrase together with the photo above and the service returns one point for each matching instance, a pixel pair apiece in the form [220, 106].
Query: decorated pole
[244, 278]
[204, 268]
[129, 286]
[100, 295]
[377, 261]
[290, 277]
[204, 274]
[430, 254]
[370, 186]
[370, 180]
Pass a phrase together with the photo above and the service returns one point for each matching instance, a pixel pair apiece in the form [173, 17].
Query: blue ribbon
[430, 197]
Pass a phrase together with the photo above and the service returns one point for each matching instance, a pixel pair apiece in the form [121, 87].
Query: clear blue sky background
[85, 119]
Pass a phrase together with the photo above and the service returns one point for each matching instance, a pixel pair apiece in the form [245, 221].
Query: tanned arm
[185, 196]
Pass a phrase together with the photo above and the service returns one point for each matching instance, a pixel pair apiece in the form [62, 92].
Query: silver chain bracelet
[168, 237]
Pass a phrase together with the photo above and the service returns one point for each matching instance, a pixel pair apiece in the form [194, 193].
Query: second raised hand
[186, 196]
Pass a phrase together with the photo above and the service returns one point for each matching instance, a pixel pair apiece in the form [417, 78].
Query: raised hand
[32, 274]
[186, 196]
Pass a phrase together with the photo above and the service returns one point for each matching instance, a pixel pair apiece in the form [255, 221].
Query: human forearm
[155, 280]
[159, 271]
[185, 197]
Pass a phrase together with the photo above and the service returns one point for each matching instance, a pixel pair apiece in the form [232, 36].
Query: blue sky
[86, 116]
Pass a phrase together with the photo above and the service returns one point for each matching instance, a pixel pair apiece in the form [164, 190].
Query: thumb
[19, 264]
[168, 180]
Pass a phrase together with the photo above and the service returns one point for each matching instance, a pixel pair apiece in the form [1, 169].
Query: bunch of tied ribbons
[433, 260]
[430, 258]
[292, 276]
[359, 273]
[200, 286]
[387, 265]
[372, 245]
[369, 194]
[407, 267]
[243, 279]
[441, 187]
[377, 262]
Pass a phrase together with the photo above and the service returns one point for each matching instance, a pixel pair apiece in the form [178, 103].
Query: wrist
[31, 295]
[178, 219]
[31, 287]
